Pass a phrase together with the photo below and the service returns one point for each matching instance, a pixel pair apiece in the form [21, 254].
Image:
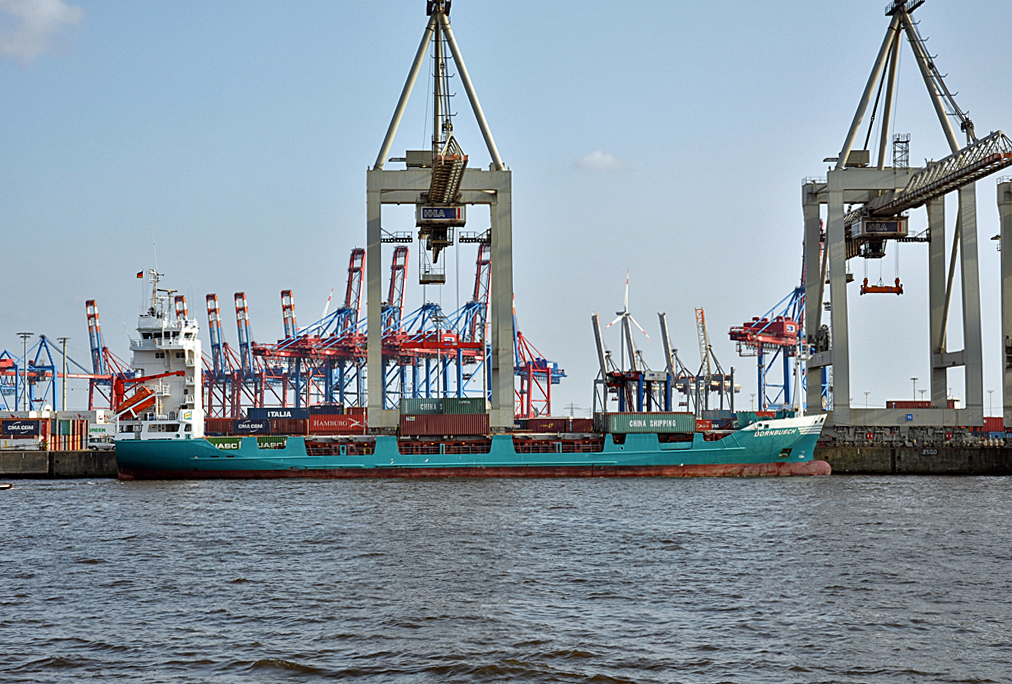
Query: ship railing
[426, 449]
[558, 447]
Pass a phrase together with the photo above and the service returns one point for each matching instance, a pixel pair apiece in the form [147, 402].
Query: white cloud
[27, 26]
[600, 161]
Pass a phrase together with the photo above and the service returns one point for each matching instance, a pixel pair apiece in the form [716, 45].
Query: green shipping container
[421, 407]
[621, 423]
[460, 405]
[745, 418]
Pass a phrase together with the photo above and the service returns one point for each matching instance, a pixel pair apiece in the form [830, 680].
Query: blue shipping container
[22, 428]
[274, 413]
[251, 427]
[326, 410]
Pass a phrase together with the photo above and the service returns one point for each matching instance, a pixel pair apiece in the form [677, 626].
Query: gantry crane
[881, 198]
[438, 211]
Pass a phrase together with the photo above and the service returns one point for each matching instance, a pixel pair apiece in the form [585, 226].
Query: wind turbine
[326, 308]
[627, 339]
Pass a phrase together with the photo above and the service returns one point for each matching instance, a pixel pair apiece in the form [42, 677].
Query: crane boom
[704, 342]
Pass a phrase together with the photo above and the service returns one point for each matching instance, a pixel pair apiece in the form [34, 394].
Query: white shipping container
[22, 444]
[96, 416]
[101, 430]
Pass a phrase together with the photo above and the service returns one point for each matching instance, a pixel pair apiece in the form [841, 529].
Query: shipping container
[23, 427]
[458, 405]
[459, 424]
[24, 444]
[326, 410]
[247, 426]
[745, 418]
[289, 426]
[100, 416]
[421, 407]
[277, 413]
[322, 424]
[621, 423]
[218, 426]
[101, 432]
[8, 415]
[548, 425]
[703, 424]
[907, 404]
[583, 425]
[994, 424]
[356, 410]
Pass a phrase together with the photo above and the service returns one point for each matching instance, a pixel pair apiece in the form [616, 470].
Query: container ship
[161, 433]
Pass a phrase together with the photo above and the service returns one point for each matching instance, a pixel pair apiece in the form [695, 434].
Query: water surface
[838, 579]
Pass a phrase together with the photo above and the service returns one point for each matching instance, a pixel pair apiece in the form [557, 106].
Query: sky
[228, 143]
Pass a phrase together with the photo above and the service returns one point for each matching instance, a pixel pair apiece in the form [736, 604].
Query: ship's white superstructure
[167, 404]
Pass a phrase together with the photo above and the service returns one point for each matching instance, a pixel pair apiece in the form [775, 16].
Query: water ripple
[841, 580]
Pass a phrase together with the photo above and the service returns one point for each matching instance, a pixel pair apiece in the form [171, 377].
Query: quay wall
[57, 464]
[935, 460]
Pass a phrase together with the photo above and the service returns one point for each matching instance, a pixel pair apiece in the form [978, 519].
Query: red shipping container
[356, 410]
[289, 426]
[323, 424]
[583, 424]
[437, 425]
[548, 424]
[994, 424]
[766, 414]
[703, 424]
[908, 404]
[218, 426]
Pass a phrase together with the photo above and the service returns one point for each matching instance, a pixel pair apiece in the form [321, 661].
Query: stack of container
[68, 435]
[324, 419]
[445, 416]
[41, 431]
[25, 433]
[283, 421]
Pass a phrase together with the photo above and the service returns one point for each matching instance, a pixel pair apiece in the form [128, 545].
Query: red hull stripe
[713, 470]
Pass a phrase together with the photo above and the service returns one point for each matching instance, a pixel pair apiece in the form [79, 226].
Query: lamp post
[990, 395]
[914, 380]
[24, 361]
[866, 399]
[753, 403]
[922, 391]
[63, 398]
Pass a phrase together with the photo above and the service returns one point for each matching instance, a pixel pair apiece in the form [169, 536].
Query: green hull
[772, 447]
